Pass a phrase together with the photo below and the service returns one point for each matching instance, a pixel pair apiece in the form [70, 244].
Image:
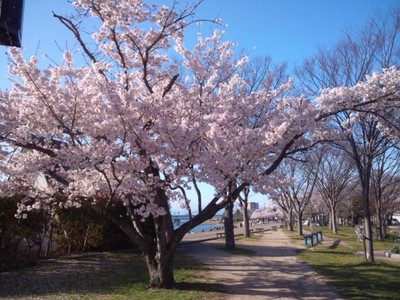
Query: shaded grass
[120, 275]
[354, 277]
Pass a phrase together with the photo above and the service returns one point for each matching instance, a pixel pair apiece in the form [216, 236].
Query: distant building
[252, 205]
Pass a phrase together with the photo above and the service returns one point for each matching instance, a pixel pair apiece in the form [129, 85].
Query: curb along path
[273, 272]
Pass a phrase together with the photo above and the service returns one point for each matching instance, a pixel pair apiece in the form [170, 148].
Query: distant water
[180, 219]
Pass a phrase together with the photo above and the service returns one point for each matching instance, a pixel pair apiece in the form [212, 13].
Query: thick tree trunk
[228, 225]
[291, 220]
[299, 223]
[333, 219]
[368, 243]
[157, 239]
[246, 221]
[384, 226]
[160, 270]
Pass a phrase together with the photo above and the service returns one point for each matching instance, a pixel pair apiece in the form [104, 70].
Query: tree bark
[369, 249]
[333, 219]
[228, 226]
[246, 221]
[160, 267]
[290, 216]
[299, 223]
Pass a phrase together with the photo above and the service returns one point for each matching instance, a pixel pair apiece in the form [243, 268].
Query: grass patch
[354, 277]
[347, 235]
[104, 276]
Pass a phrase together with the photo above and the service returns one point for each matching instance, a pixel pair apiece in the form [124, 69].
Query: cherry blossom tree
[123, 129]
[259, 74]
[363, 139]
[126, 128]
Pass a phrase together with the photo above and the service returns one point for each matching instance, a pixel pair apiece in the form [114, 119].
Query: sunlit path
[271, 272]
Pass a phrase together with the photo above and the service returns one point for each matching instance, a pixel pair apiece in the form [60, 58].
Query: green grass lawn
[347, 234]
[354, 277]
[109, 275]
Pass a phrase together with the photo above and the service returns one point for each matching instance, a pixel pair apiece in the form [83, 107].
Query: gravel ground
[273, 272]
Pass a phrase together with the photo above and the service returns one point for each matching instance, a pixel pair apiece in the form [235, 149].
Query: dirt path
[273, 272]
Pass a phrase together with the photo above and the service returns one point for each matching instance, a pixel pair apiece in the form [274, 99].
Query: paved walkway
[273, 272]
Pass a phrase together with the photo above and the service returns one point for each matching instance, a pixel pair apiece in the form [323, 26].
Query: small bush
[396, 249]
[20, 238]
[82, 229]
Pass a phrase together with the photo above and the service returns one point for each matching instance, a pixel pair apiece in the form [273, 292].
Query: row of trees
[327, 184]
[361, 154]
[146, 119]
[362, 137]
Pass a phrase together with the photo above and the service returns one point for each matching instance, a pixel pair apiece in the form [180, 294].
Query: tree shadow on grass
[88, 275]
[358, 279]
[335, 244]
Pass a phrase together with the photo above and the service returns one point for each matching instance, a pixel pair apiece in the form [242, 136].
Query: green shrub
[82, 229]
[396, 249]
[20, 238]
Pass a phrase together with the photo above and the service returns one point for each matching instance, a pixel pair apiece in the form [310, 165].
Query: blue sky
[286, 30]
[291, 30]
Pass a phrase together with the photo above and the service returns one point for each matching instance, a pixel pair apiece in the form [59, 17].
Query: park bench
[259, 229]
[220, 234]
[317, 236]
[274, 228]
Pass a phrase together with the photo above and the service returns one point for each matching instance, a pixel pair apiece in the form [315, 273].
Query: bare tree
[336, 173]
[283, 200]
[260, 73]
[385, 187]
[319, 210]
[299, 188]
[353, 58]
